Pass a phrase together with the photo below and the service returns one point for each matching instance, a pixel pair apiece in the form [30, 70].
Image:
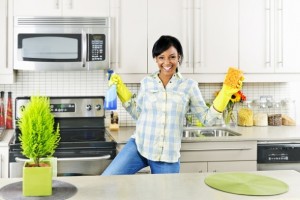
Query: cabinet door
[256, 47]
[169, 17]
[287, 38]
[3, 36]
[232, 166]
[37, 7]
[215, 35]
[6, 71]
[193, 167]
[95, 8]
[129, 36]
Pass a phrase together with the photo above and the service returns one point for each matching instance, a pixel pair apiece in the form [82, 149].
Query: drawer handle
[225, 149]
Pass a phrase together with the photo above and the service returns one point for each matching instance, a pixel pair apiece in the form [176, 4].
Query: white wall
[93, 83]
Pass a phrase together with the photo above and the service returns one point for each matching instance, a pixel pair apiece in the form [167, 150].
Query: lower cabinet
[198, 157]
[223, 156]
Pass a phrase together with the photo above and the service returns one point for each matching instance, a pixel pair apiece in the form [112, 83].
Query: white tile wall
[93, 83]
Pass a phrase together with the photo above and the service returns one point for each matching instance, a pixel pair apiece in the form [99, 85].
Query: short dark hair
[164, 43]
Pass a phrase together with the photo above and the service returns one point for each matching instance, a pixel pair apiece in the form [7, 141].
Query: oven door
[70, 159]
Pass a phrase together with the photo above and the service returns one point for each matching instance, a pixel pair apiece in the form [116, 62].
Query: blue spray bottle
[110, 102]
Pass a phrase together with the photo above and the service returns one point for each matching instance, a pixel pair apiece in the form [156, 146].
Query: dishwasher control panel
[278, 153]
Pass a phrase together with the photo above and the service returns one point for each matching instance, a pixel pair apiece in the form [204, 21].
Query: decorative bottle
[9, 124]
[2, 112]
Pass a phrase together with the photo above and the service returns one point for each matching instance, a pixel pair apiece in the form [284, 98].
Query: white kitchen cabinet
[269, 36]
[6, 72]
[218, 156]
[129, 36]
[207, 30]
[4, 162]
[215, 35]
[94, 8]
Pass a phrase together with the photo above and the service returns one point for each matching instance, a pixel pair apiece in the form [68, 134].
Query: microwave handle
[84, 49]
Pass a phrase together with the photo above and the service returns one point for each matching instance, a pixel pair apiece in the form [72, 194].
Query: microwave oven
[61, 43]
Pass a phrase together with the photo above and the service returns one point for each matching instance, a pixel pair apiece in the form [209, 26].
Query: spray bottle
[110, 102]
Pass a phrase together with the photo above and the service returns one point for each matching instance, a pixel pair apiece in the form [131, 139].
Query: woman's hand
[123, 92]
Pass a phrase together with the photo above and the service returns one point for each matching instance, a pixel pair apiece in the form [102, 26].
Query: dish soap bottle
[110, 102]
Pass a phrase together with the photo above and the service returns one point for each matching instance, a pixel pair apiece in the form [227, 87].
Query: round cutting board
[246, 184]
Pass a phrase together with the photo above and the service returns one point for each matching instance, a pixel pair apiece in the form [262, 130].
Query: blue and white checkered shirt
[160, 112]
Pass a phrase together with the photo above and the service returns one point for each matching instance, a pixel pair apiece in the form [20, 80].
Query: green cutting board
[246, 184]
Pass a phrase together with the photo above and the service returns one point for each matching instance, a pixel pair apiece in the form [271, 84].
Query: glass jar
[260, 117]
[275, 117]
[288, 112]
[245, 114]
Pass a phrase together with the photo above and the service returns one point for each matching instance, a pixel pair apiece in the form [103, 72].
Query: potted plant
[39, 139]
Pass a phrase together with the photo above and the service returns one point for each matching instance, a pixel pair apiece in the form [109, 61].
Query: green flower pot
[37, 181]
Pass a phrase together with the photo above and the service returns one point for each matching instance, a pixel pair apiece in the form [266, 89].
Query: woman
[159, 110]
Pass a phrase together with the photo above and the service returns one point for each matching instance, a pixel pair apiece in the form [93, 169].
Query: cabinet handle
[280, 39]
[71, 4]
[218, 149]
[186, 30]
[268, 33]
[198, 33]
[57, 4]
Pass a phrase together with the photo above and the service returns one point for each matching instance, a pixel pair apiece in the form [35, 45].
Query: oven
[278, 156]
[85, 147]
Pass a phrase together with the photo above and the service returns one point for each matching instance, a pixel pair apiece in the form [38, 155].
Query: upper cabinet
[215, 35]
[207, 30]
[269, 36]
[129, 36]
[61, 7]
[6, 71]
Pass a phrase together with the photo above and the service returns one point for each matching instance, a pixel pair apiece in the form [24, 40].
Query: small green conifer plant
[39, 138]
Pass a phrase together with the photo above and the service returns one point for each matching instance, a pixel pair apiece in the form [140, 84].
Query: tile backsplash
[93, 83]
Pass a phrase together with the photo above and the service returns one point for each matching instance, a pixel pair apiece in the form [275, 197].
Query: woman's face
[168, 61]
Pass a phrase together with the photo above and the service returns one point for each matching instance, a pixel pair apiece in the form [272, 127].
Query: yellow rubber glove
[123, 92]
[226, 92]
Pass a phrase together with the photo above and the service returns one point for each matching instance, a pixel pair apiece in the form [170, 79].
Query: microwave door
[49, 51]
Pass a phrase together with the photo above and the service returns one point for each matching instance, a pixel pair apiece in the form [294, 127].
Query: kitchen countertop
[165, 186]
[268, 133]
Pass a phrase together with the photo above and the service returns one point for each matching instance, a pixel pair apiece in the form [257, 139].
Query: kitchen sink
[191, 132]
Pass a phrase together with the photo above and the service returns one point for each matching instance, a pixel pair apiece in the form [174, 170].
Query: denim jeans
[130, 161]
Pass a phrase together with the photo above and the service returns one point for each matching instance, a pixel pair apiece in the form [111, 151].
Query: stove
[85, 147]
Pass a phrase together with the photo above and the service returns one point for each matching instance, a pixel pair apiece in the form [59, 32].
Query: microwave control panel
[96, 47]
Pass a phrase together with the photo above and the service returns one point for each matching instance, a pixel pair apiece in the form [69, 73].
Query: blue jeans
[130, 161]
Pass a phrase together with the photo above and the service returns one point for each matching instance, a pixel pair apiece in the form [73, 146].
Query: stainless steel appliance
[61, 43]
[278, 156]
[85, 147]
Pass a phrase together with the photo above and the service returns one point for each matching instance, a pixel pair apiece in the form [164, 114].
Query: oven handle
[105, 157]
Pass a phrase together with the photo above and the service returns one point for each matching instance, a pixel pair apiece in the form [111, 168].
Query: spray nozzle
[109, 73]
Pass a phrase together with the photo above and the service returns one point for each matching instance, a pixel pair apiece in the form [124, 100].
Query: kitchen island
[165, 187]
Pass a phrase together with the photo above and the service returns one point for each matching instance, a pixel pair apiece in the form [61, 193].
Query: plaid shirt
[160, 112]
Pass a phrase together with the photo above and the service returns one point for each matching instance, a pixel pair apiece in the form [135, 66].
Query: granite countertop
[268, 133]
[165, 186]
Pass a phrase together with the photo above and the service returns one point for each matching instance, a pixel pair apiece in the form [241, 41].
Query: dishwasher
[278, 156]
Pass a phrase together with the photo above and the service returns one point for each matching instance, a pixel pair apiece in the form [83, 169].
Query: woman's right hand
[123, 92]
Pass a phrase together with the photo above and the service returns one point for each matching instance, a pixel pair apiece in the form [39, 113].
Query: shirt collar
[177, 75]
